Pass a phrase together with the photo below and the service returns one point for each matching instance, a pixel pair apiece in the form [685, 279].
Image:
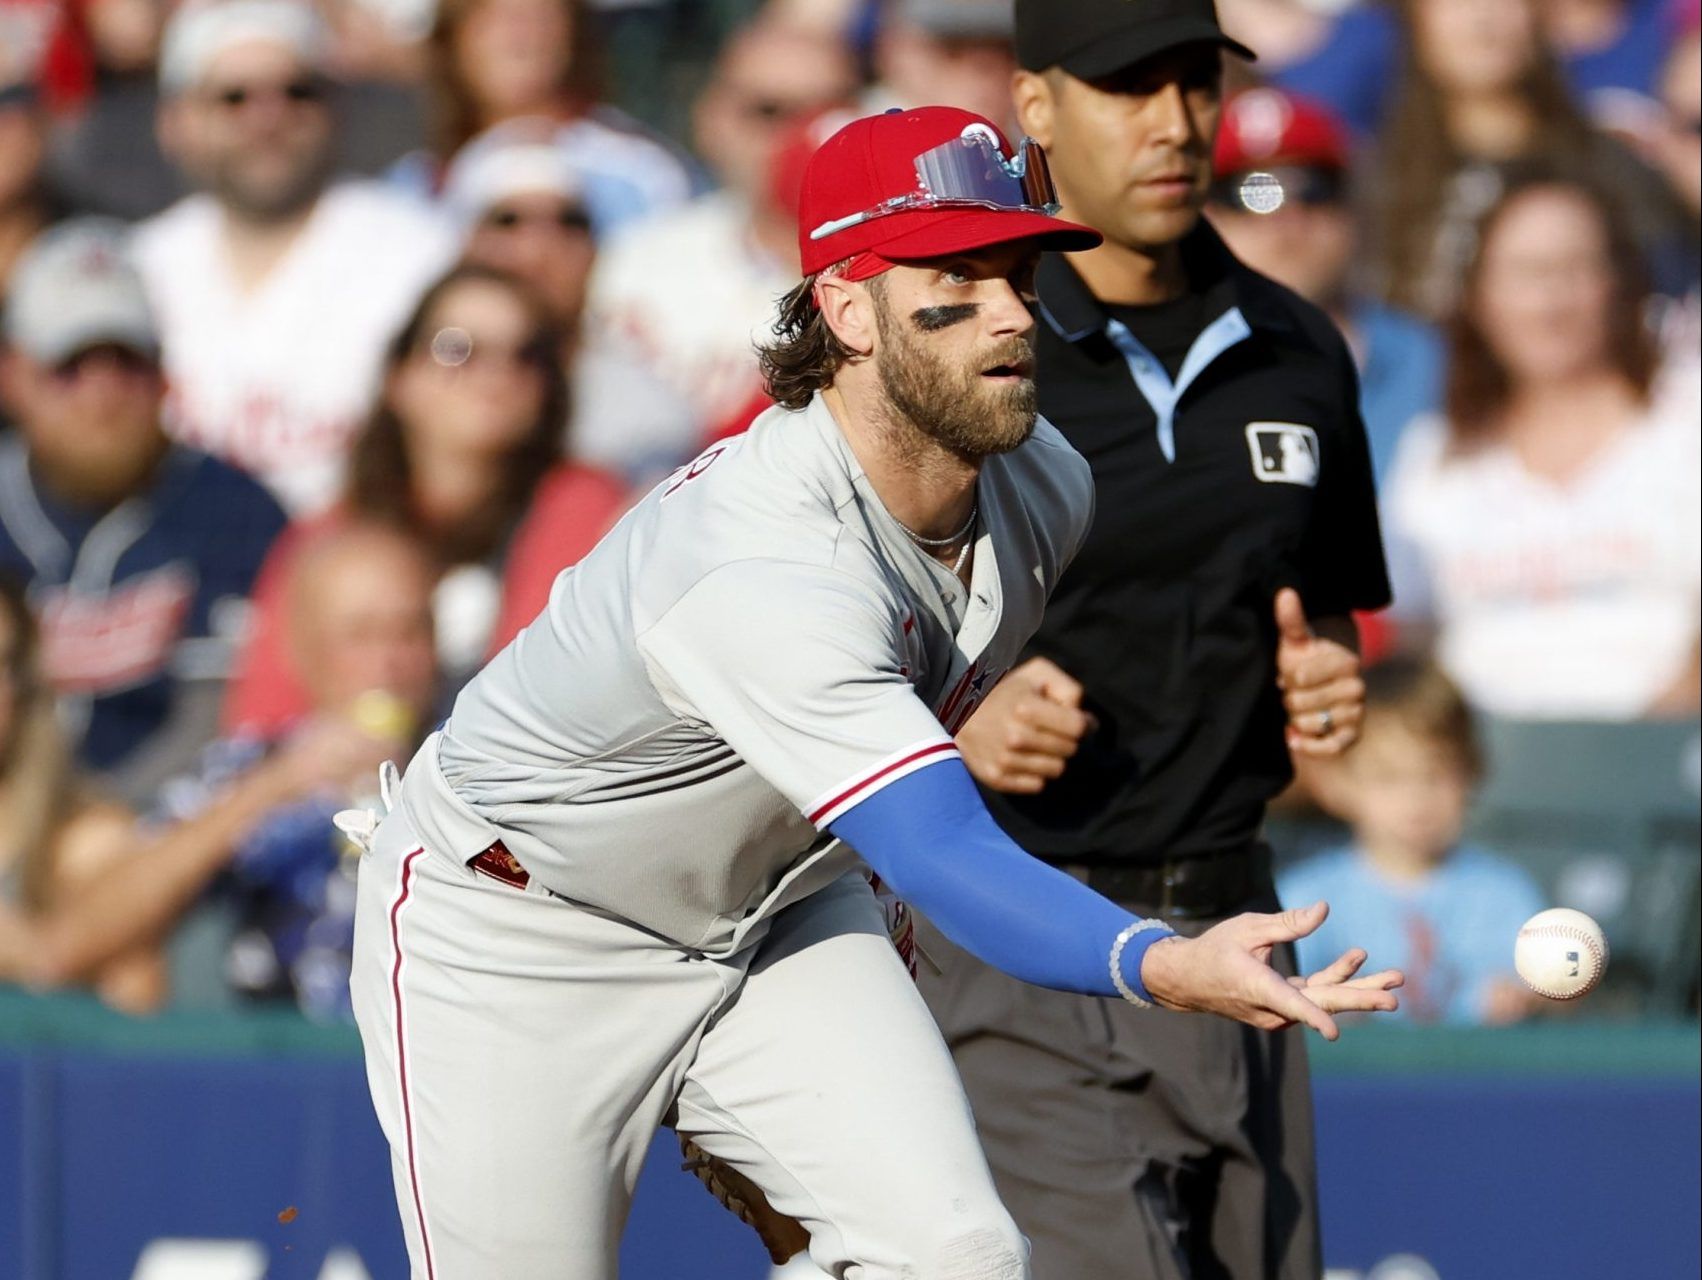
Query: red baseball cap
[1264, 127]
[924, 183]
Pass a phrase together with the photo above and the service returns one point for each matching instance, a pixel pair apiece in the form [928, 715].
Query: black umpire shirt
[1229, 460]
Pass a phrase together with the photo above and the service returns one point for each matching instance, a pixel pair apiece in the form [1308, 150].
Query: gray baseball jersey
[756, 647]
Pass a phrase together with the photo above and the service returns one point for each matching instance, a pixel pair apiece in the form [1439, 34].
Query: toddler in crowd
[1442, 911]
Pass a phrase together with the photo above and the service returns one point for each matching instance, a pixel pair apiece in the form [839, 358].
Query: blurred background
[335, 330]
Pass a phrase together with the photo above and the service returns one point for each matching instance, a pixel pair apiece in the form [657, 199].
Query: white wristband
[1117, 978]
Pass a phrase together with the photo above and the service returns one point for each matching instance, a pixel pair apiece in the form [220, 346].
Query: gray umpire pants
[1135, 1144]
[522, 1050]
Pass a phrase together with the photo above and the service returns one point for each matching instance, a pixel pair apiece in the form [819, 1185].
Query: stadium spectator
[463, 451]
[276, 287]
[679, 300]
[499, 60]
[360, 633]
[1342, 55]
[138, 554]
[1479, 91]
[25, 206]
[1442, 912]
[1281, 200]
[57, 836]
[1547, 525]
[106, 157]
[952, 53]
[519, 203]
[252, 823]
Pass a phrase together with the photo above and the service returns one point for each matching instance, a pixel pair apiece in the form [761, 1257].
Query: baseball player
[618, 889]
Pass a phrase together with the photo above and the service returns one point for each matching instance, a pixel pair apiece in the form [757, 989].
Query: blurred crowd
[335, 329]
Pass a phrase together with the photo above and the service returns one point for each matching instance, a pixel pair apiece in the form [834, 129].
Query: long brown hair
[39, 791]
[380, 477]
[805, 355]
[1420, 159]
[1479, 387]
[455, 115]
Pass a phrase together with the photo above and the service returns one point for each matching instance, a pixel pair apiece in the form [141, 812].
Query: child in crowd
[1442, 911]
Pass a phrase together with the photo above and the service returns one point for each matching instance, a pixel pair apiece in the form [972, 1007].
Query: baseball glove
[783, 1237]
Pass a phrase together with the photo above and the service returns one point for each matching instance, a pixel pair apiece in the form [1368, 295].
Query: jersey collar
[1070, 309]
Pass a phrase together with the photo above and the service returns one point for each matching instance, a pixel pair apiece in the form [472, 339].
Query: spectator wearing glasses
[953, 52]
[1548, 524]
[1281, 201]
[520, 204]
[138, 554]
[276, 286]
[493, 61]
[681, 301]
[463, 451]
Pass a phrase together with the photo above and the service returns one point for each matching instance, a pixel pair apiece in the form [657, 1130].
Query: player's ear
[849, 312]
[1032, 92]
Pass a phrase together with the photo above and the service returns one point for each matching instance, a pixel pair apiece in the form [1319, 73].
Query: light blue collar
[1154, 383]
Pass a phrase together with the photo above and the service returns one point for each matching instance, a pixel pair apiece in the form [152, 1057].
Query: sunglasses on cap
[1265, 191]
[969, 171]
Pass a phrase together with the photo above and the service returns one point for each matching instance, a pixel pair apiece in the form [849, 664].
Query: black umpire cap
[1092, 38]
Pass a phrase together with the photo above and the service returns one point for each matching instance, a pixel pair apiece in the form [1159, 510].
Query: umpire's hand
[1020, 738]
[1318, 673]
[1226, 970]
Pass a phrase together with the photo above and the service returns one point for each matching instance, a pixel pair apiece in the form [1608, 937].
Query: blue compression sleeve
[930, 837]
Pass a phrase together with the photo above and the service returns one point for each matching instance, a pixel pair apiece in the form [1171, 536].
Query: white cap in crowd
[518, 157]
[200, 30]
[76, 287]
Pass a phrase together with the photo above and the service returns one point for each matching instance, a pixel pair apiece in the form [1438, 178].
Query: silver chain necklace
[932, 545]
[939, 544]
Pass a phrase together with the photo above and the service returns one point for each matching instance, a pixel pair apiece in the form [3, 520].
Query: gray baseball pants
[522, 1050]
[1136, 1144]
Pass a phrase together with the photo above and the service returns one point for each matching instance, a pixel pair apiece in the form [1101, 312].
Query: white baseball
[1560, 953]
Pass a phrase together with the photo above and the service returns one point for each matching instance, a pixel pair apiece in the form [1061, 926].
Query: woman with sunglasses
[464, 450]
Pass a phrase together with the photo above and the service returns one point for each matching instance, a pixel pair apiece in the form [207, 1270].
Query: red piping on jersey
[402, 1049]
[866, 783]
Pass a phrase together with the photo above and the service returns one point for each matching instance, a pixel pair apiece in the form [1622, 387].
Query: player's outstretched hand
[1226, 970]
[1021, 737]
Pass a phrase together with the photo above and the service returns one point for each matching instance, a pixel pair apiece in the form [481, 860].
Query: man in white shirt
[277, 288]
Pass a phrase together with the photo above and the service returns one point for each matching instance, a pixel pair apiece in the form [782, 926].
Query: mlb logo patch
[1283, 453]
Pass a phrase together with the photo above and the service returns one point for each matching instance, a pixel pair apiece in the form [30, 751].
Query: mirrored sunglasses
[970, 171]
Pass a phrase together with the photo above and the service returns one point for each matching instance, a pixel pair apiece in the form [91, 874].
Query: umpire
[1203, 633]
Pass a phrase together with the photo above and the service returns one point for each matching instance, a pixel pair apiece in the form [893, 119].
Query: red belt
[499, 864]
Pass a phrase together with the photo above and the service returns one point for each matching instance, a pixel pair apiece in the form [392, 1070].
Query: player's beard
[953, 405]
